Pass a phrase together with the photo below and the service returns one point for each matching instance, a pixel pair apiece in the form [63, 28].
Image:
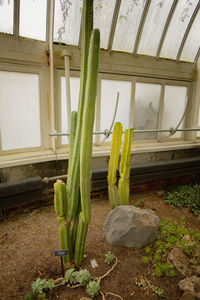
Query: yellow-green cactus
[113, 164]
[124, 169]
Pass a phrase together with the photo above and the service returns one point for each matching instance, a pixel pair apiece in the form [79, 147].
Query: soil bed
[28, 241]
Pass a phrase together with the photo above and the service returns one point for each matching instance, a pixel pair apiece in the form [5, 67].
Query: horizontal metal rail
[171, 130]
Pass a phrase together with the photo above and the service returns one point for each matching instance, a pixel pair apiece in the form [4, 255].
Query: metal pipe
[171, 130]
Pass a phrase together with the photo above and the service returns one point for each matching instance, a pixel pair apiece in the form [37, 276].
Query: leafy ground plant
[147, 286]
[74, 279]
[184, 196]
[170, 235]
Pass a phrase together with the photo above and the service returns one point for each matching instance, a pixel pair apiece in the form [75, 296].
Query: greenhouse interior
[99, 149]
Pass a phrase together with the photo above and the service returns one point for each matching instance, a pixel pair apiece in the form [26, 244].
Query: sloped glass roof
[159, 28]
[153, 27]
[177, 28]
[127, 25]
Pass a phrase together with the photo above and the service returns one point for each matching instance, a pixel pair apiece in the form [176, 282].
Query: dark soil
[28, 241]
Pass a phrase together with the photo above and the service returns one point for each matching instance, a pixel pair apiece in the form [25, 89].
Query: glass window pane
[147, 99]
[19, 110]
[103, 13]
[6, 16]
[74, 91]
[109, 90]
[153, 27]
[33, 19]
[67, 21]
[177, 28]
[189, 53]
[174, 106]
[127, 25]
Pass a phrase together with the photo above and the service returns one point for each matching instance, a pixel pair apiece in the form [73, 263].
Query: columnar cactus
[73, 178]
[113, 164]
[72, 202]
[120, 195]
[88, 122]
[124, 169]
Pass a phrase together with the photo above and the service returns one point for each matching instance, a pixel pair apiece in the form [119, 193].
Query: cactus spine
[119, 196]
[73, 208]
[124, 169]
[113, 164]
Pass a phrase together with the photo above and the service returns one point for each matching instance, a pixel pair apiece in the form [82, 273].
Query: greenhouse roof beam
[172, 10]
[48, 25]
[187, 31]
[142, 21]
[114, 23]
[16, 18]
[197, 56]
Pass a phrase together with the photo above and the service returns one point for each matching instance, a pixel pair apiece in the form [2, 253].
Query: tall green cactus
[88, 122]
[73, 179]
[72, 204]
[124, 169]
[113, 164]
[120, 195]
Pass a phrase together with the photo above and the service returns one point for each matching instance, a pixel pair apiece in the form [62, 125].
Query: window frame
[43, 106]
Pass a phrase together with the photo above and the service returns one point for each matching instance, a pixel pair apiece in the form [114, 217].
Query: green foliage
[164, 268]
[73, 277]
[109, 258]
[170, 235]
[147, 285]
[40, 284]
[145, 259]
[70, 276]
[30, 296]
[184, 196]
[83, 276]
[140, 203]
[93, 288]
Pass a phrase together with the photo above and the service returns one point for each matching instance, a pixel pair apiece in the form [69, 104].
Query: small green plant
[40, 285]
[109, 258]
[140, 203]
[170, 235]
[30, 296]
[93, 288]
[147, 285]
[83, 276]
[145, 259]
[184, 196]
[70, 276]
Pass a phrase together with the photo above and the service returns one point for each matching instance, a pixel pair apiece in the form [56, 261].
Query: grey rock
[180, 261]
[130, 226]
[191, 284]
